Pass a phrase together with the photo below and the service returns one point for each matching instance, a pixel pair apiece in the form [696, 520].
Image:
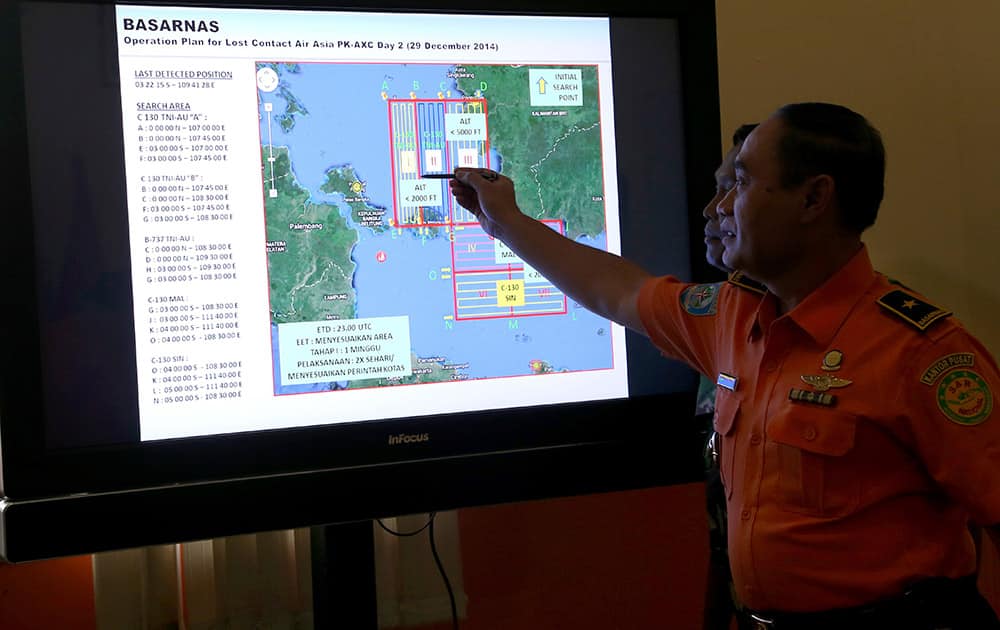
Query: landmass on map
[425, 370]
[308, 249]
[309, 258]
[344, 181]
[293, 106]
[555, 159]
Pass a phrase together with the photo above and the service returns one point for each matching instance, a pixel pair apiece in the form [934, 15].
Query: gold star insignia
[909, 304]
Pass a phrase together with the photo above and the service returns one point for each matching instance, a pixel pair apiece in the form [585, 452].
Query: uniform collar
[824, 310]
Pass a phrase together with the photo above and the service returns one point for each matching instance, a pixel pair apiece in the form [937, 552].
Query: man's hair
[822, 138]
[742, 132]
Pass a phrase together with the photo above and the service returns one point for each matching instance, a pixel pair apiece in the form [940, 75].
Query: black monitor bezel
[620, 429]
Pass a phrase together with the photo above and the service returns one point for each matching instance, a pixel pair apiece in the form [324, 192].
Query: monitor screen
[243, 259]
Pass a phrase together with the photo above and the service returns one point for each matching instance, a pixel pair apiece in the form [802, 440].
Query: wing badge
[824, 382]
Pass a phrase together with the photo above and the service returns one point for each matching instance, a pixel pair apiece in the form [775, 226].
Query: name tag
[727, 381]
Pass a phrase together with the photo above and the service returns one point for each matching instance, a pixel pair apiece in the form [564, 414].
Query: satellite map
[377, 277]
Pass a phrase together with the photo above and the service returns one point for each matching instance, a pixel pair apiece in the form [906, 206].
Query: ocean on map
[406, 273]
[402, 275]
[348, 120]
[410, 282]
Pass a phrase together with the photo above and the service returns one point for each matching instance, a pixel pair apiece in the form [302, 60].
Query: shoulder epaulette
[915, 311]
[741, 280]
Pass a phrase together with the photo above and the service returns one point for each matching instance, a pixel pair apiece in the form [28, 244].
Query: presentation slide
[292, 262]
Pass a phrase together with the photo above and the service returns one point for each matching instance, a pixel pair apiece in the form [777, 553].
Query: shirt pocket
[813, 464]
[727, 409]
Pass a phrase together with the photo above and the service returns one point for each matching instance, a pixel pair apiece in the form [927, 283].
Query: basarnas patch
[964, 398]
[945, 363]
[700, 299]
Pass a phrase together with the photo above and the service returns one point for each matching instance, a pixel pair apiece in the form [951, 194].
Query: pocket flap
[727, 407]
[820, 431]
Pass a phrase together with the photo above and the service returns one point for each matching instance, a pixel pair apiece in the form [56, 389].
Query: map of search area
[376, 276]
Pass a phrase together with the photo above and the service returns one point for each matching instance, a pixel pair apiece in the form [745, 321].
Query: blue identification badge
[727, 381]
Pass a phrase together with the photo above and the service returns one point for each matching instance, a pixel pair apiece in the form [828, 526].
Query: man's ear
[820, 194]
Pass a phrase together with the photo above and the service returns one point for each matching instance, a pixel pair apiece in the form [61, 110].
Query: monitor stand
[343, 576]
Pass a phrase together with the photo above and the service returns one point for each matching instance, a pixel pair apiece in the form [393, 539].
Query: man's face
[760, 219]
[725, 179]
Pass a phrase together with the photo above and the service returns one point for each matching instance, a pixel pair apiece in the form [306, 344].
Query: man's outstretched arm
[603, 283]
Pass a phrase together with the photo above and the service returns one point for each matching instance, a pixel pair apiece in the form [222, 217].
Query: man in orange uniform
[859, 428]
[720, 606]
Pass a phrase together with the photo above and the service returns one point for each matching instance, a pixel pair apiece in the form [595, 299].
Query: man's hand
[488, 195]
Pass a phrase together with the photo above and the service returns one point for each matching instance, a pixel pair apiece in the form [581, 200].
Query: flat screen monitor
[235, 269]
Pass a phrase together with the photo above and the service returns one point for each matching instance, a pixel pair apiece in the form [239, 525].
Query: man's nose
[709, 210]
[725, 205]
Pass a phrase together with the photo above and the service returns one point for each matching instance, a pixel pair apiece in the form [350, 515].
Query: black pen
[485, 173]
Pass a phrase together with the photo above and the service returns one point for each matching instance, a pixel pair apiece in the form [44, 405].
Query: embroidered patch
[915, 311]
[700, 299]
[945, 363]
[965, 398]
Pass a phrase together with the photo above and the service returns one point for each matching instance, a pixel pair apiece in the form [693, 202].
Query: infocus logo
[408, 438]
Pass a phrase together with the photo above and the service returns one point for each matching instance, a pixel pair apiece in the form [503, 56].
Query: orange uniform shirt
[858, 438]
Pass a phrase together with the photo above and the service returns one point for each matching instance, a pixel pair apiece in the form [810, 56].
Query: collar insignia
[743, 281]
